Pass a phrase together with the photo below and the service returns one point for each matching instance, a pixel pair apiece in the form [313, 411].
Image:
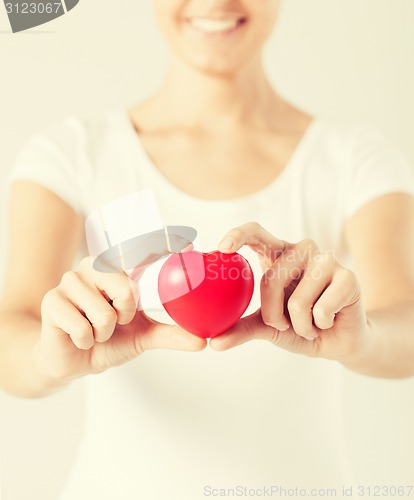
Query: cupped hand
[92, 321]
[310, 303]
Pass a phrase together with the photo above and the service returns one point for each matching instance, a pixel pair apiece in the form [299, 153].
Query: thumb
[157, 335]
[257, 238]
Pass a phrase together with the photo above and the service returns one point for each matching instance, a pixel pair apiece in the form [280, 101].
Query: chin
[218, 66]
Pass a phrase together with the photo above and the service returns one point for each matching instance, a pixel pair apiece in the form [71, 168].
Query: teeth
[214, 25]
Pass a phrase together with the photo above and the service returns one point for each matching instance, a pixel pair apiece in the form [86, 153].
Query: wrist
[48, 381]
[360, 356]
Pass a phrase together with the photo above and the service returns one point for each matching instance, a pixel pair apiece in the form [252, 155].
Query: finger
[252, 328]
[154, 335]
[256, 237]
[188, 248]
[248, 328]
[273, 287]
[96, 308]
[120, 289]
[315, 279]
[136, 273]
[287, 268]
[67, 318]
[342, 292]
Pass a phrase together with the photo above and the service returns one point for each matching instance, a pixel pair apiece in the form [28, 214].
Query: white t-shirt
[174, 425]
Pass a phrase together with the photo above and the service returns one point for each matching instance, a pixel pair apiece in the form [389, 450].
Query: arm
[57, 324]
[44, 234]
[381, 239]
[364, 320]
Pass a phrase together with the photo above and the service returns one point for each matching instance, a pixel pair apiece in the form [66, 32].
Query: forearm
[389, 349]
[19, 373]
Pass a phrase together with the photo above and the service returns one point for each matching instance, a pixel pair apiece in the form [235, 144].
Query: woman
[219, 148]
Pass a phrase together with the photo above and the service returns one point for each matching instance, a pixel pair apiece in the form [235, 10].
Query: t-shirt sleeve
[50, 159]
[377, 168]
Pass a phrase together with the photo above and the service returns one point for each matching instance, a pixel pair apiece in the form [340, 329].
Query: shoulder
[356, 147]
[354, 138]
[65, 157]
[75, 143]
[369, 164]
[337, 135]
[74, 132]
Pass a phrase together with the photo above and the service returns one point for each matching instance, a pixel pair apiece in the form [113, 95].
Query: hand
[310, 304]
[91, 322]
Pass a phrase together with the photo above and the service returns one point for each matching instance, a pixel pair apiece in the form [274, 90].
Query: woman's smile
[216, 25]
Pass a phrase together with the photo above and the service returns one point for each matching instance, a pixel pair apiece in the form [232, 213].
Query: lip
[199, 24]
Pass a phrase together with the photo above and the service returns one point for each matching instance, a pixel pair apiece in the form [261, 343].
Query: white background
[350, 59]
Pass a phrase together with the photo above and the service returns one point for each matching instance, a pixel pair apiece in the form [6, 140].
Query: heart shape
[205, 293]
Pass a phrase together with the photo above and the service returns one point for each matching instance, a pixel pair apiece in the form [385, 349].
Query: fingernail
[283, 328]
[226, 244]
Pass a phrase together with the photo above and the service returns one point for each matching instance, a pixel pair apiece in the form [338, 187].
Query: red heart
[205, 293]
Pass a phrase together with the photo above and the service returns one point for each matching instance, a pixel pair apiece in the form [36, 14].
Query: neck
[193, 98]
